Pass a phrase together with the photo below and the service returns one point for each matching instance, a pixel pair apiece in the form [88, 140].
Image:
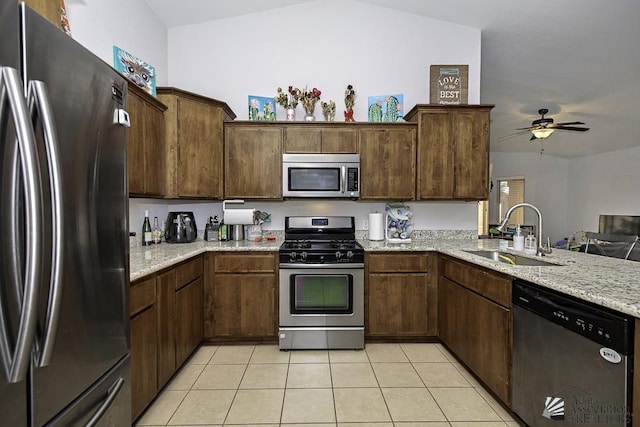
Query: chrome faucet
[541, 251]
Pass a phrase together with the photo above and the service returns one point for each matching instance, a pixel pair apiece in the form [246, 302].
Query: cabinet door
[189, 320]
[165, 294]
[244, 305]
[337, 140]
[136, 163]
[387, 162]
[144, 365]
[155, 151]
[299, 139]
[471, 130]
[199, 149]
[253, 162]
[479, 333]
[397, 305]
[436, 168]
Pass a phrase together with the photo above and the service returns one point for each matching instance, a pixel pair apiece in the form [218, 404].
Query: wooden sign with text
[449, 84]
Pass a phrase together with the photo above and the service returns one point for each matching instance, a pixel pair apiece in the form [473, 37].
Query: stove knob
[292, 256]
[338, 255]
[303, 257]
[322, 259]
[349, 255]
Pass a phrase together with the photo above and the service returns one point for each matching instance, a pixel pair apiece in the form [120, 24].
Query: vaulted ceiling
[578, 58]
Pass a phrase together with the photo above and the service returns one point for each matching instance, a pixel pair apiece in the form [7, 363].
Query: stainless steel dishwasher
[572, 360]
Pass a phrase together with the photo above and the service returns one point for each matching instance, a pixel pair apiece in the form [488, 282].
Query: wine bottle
[146, 230]
[156, 232]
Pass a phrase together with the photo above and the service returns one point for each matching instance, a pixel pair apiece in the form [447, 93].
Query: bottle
[146, 230]
[518, 240]
[530, 244]
[222, 232]
[156, 232]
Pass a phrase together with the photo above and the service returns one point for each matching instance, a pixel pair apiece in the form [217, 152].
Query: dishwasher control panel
[604, 326]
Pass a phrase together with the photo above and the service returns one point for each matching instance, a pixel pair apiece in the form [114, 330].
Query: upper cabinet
[387, 162]
[322, 138]
[452, 151]
[147, 145]
[194, 133]
[253, 161]
[50, 9]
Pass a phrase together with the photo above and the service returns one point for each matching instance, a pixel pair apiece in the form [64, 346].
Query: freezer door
[9, 34]
[91, 332]
[106, 404]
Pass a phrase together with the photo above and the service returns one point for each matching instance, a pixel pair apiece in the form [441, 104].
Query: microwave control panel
[352, 179]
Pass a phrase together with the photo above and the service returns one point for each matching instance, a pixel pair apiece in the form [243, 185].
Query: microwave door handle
[343, 178]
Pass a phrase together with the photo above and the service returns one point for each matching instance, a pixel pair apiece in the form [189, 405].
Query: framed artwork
[449, 84]
[262, 108]
[135, 69]
[385, 108]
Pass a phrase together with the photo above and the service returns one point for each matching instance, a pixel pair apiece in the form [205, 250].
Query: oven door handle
[322, 266]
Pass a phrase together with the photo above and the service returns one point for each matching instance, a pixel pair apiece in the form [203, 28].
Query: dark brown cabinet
[452, 151]
[241, 295]
[50, 9]
[144, 345]
[325, 138]
[147, 144]
[253, 161]
[388, 162]
[474, 318]
[194, 134]
[398, 289]
[166, 301]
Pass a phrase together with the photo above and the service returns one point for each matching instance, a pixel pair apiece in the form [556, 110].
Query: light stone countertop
[608, 282]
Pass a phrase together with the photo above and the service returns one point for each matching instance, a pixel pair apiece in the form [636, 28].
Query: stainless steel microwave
[321, 175]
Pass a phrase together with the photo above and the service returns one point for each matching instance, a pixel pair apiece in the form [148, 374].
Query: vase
[309, 117]
[291, 114]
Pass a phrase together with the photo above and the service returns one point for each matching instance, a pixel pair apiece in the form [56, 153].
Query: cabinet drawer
[491, 285]
[398, 262]
[242, 262]
[142, 295]
[188, 272]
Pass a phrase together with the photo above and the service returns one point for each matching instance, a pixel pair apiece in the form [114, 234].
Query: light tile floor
[386, 385]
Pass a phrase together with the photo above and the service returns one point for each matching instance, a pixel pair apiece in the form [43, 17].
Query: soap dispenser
[518, 240]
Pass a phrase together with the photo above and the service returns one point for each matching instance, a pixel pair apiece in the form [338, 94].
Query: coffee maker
[180, 227]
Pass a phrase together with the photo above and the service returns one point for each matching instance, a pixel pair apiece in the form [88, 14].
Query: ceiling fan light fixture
[542, 133]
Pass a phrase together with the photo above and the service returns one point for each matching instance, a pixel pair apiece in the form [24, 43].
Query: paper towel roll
[376, 226]
[238, 216]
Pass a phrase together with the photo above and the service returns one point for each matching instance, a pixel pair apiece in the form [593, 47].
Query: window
[511, 192]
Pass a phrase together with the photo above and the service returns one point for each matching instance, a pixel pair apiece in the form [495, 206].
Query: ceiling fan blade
[571, 128]
[529, 128]
[511, 135]
[533, 137]
[569, 123]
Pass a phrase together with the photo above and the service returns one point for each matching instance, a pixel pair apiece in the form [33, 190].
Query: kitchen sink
[512, 259]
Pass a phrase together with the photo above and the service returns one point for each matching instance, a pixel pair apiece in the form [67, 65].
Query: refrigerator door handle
[104, 407]
[39, 106]
[16, 365]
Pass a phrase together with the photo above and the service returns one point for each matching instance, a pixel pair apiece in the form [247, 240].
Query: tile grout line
[246, 366]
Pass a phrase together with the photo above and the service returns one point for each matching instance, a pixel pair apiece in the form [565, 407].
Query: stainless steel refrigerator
[64, 251]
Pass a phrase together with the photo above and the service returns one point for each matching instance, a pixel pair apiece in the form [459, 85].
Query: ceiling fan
[544, 126]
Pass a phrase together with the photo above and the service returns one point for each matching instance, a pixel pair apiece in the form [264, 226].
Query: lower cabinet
[398, 293]
[241, 296]
[474, 318]
[166, 317]
[144, 345]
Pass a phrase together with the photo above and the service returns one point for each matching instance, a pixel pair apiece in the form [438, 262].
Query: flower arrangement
[349, 102]
[288, 99]
[309, 99]
[328, 110]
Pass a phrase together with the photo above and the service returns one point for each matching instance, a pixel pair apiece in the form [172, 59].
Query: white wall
[326, 44]
[545, 186]
[128, 24]
[605, 184]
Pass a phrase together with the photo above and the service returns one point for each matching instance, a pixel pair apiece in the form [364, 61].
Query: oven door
[322, 295]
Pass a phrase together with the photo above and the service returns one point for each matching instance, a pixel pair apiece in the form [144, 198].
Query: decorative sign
[262, 108]
[135, 69]
[385, 108]
[449, 84]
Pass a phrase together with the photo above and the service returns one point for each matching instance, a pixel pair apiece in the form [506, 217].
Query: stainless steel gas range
[321, 284]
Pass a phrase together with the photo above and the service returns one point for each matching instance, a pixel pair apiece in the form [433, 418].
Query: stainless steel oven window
[314, 178]
[321, 294]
